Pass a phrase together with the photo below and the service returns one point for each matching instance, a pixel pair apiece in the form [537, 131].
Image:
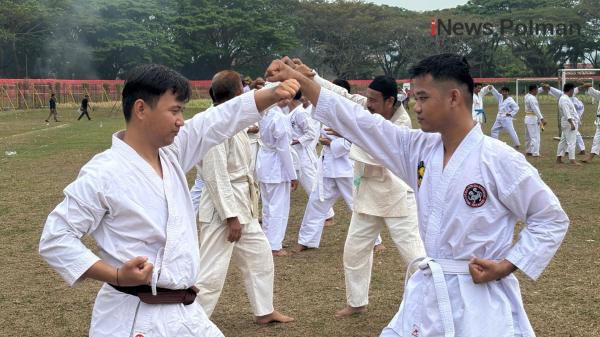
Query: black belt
[163, 295]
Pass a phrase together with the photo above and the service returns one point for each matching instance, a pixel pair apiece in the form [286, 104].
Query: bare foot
[559, 160]
[582, 152]
[281, 252]
[329, 222]
[587, 159]
[274, 317]
[380, 248]
[349, 311]
[300, 247]
[574, 162]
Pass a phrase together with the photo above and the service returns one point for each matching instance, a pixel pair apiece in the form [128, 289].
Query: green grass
[34, 301]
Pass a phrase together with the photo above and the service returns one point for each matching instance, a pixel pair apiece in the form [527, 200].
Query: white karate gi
[506, 107]
[303, 130]
[568, 137]
[230, 191]
[533, 119]
[334, 178]
[467, 208]
[596, 142]
[130, 211]
[478, 112]
[275, 170]
[579, 109]
[196, 190]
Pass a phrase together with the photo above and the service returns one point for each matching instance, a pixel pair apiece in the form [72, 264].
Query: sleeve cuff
[74, 275]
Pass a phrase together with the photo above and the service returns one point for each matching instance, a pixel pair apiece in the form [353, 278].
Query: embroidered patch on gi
[420, 173]
[414, 331]
[139, 335]
[475, 195]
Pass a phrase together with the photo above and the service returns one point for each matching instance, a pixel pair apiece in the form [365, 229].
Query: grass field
[34, 301]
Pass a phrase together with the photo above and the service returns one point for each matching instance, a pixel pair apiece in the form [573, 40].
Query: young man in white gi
[596, 142]
[507, 109]
[334, 179]
[229, 228]
[133, 199]
[533, 120]
[277, 176]
[471, 191]
[478, 111]
[579, 109]
[568, 116]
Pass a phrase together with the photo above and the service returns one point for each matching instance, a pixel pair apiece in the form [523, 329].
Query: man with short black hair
[83, 108]
[471, 191]
[568, 115]
[133, 199]
[533, 120]
[507, 109]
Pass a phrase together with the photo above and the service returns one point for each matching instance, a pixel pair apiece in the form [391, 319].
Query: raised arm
[497, 95]
[356, 98]
[222, 122]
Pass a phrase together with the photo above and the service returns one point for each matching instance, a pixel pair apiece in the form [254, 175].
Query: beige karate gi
[230, 191]
[381, 199]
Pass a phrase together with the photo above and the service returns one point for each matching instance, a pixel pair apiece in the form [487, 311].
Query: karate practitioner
[507, 109]
[380, 199]
[478, 111]
[133, 199]
[304, 136]
[533, 120]
[596, 142]
[471, 191]
[568, 116]
[334, 179]
[229, 228]
[277, 175]
[579, 109]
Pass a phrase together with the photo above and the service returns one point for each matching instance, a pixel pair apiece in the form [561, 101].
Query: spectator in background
[85, 104]
[52, 103]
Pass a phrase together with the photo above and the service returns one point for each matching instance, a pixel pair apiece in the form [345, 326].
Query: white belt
[439, 268]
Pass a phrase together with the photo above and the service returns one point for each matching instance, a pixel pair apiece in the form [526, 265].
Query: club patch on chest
[420, 173]
[475, 195]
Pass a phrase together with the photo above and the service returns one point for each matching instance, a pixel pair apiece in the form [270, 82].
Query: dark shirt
[84, 104]
[52, 102]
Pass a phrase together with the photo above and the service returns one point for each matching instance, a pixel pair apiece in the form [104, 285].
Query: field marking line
[36, 131]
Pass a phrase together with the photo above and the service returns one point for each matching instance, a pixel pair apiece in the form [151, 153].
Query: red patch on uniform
[475, 195]
[415, 331]
[139, 335]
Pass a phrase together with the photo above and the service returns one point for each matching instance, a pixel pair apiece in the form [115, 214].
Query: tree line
[352, 39]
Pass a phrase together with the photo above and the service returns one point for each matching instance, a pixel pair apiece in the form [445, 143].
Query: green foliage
[351, 39]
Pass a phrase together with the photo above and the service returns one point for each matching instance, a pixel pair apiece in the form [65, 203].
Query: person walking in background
[52, 104]
[83, 109]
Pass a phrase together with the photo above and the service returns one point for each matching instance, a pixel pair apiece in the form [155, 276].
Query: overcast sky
[421, 5]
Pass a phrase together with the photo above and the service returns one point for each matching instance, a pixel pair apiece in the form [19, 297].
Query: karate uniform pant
[579, 144]
[308, 174]
[567, 141]
[275, 211]
[358, 250]
[251, 254]
[505, 123]
[532, 139]
[317, 211]
[596, 142]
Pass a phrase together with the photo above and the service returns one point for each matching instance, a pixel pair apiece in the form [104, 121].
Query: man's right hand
[135, 272]
[278, 71]
[253, 129]
[235, 229]
[325, 141]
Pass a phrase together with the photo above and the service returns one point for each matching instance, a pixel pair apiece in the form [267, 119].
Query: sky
[421, 5]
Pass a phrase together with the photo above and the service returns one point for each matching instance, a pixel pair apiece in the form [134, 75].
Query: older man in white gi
[133, 199]
[507, 109]
[229, 228]
[533, 120]
[277, 176]
[471, 191]
[596, 142]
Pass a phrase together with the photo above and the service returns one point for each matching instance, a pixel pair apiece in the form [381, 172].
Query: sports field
[34, 301]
